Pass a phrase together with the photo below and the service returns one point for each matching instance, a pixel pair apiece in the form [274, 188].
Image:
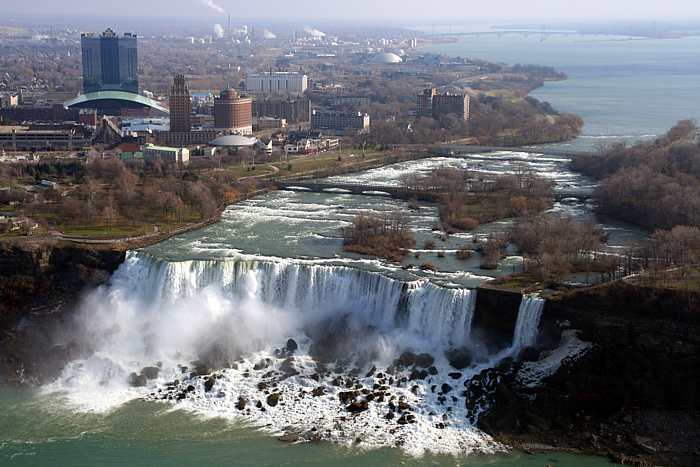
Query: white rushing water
[528, 322]
[310, 292]
[167, 315]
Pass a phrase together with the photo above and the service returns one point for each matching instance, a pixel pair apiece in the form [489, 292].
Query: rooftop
[233, 141]
[387, 59]
[153, 147]
[128, 98]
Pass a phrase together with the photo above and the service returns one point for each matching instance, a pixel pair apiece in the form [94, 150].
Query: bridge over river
[394, 191]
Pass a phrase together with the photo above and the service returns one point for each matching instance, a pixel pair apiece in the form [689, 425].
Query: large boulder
[262, 364]
[358, 406]
[199, 368]
[273, 399]
[424, 360]
[287, 367]
[347, 396]
[292, 346]
[406, 418]
[459, 358]
[137, 381]
[407, 359]
[150, 372]
[418, 374]
[209, 383]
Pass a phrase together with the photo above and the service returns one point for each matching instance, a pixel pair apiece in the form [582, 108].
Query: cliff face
[44, 278]
[495, 315]
[635, 395]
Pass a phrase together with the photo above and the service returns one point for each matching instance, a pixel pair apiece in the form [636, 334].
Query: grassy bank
[110, 201]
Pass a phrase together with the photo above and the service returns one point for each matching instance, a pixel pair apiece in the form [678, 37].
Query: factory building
[277, 82]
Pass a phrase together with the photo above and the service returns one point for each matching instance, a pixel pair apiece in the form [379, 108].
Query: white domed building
[386, 59]
[233, 141]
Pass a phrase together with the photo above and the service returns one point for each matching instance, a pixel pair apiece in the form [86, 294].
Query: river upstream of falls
[262, 324]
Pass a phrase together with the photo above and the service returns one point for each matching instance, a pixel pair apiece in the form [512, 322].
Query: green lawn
[522, 281]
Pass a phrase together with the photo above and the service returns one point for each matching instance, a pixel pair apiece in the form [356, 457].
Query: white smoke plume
[213, 6]
[314, 32]
[218, 31]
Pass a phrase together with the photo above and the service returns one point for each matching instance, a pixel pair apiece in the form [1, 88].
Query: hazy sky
[455, 10]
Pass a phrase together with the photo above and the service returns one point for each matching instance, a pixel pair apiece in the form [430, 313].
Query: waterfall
[291, 325]
[315, 291]
[528, 323]
[444, 314]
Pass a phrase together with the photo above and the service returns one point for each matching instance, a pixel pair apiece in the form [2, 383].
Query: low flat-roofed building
[268, 123]
[339, 121]
[180, 156]
[45, 137]
[185, 138]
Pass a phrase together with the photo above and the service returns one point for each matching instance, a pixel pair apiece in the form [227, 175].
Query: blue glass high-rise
[110, 62]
